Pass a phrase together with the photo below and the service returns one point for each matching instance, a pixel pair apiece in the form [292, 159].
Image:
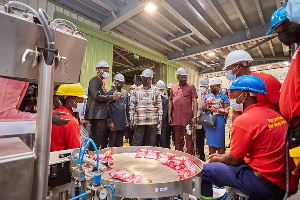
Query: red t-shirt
[273, 90]
[66, 136]
[182, 96]
[258, 137]
[290, 93]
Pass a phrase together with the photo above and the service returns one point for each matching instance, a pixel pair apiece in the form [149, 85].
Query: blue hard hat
[277, 17]
[249, 83]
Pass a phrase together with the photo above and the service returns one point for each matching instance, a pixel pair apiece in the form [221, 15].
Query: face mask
[182, 82]
[290, 35]
[105, 75]
[119, 85]
[202, 89]
[237, 106]
[214, 91]
[161, 93]
[229, 75]
[144, 80]
[131, 92]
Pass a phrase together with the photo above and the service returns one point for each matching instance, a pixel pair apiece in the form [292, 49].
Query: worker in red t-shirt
[288, 34]
[67, 136]
[237, 64]
[256, 162]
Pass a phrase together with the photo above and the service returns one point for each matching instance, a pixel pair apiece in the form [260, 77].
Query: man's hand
[194, 121]
[160, 124]
[131, 124]
[57, 120]
[170, 120]
[212, 156]
[83, 122]
[116, 95]
[111, 126]
[297, 170]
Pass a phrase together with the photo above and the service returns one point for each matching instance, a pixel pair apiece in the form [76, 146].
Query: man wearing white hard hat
[200, 131]
[145, 111]
[215, 103]
[237, 64]
[97, 103]
[164, 136]
[118, 113]
[183, 110]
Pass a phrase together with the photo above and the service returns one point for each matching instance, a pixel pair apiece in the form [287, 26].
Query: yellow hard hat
[75, 90]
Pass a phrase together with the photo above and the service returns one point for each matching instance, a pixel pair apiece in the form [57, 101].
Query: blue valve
[97, 178]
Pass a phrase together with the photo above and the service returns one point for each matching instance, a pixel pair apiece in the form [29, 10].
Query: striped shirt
[145, 106]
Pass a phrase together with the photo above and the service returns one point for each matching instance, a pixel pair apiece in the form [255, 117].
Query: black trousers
[98, 129]
[200, 135]
[116, 138]
[165, 137]
[149, 132]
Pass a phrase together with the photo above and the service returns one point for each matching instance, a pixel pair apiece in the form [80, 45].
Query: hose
[112, 191]
[43, 22]
[79, 196]
[81, 153]
[287, 171]
[80, 191]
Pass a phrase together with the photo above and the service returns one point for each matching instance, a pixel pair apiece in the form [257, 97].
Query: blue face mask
[229, 75]
[105, 75]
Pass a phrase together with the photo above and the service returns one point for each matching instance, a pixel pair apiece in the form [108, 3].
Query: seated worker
[256, 162]
[67, 136]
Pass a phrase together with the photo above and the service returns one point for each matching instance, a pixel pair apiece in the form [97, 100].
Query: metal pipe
[43, 131]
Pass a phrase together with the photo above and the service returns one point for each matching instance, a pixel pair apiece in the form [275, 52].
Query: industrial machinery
[35, 48]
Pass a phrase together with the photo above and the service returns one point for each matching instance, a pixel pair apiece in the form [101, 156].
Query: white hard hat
[147, 73]
[236, 57]
[170, 85]
[113, 84]
[160, 85]
[215, 81]
[102, 63]
[204, 82]
[133, 86]
[181, 71]
[119, 77]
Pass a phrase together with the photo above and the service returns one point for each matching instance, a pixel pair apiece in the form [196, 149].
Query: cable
[80, 191]
[287, 171]
[112, 191]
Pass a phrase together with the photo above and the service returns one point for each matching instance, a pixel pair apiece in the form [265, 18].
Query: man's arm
[170, 112]
[226, 159]
[195, 110]
[99, 94]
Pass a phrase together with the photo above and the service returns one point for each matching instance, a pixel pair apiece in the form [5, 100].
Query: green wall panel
[170, 74]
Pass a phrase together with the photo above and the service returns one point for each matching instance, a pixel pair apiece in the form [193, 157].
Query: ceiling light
[211, 54]
[150, 7]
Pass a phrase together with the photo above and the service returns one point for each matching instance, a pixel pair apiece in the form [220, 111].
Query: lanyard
[102, 82]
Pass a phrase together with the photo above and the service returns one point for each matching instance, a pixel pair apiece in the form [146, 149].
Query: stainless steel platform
[165, 183]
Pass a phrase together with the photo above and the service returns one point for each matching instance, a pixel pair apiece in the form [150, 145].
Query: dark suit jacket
[97, 106]
[165, 105]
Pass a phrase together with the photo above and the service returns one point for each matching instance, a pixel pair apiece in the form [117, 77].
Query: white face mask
[230, 76]
[237, 106]
[202, 89]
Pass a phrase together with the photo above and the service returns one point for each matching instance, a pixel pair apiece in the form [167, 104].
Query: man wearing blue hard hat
[289, 33]
[256, 162]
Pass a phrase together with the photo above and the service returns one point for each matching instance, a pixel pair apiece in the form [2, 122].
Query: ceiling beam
[94, 7]
[129, 10]
[220, 53]
[236, 8]
[239, 37]
[157, 25]
[271, 48]
[185, 43]
[161, 16]
[255, 59]
[171, 10]
[124, 57]
[219, 15]
[201, 18]
[107, 4]
[147, 38]
[147, 30]
[179, 36]
[260, 14]
[121, 64]
[261, 54]
[194, 40]
[93, 15]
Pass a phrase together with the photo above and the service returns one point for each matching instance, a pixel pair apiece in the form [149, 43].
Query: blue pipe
[79, 196]
[80, 191]
[112, 191]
